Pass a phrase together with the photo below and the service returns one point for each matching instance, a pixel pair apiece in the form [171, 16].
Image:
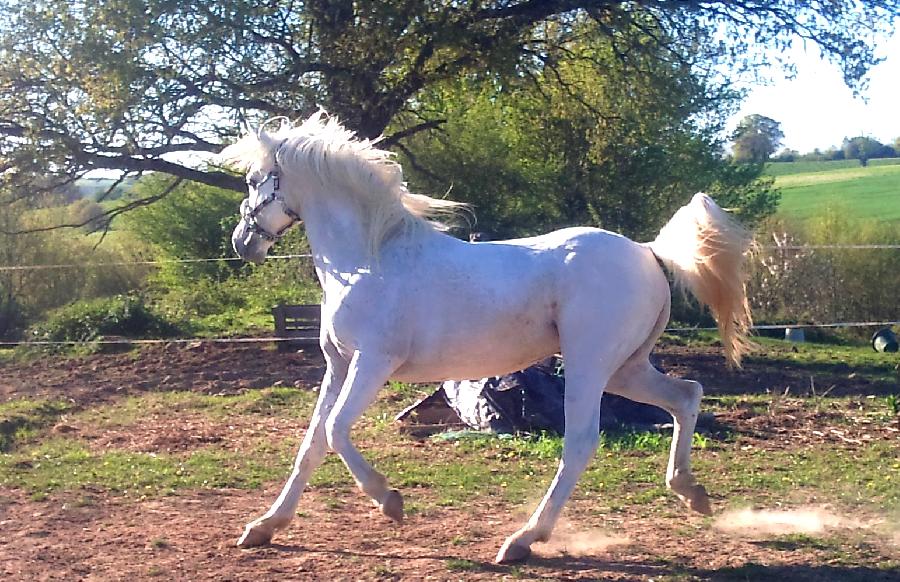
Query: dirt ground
[205, 367]
[231, 368]
[191, 535]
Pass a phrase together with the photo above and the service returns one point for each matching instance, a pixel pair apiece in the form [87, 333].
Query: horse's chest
[357, 319]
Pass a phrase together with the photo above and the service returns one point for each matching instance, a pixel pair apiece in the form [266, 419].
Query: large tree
[864, 148]
[756, 138]
[136, 85]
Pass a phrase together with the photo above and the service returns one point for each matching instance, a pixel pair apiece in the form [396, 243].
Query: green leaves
[591, 137]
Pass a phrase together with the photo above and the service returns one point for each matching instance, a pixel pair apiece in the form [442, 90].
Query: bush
[29, 294]
[126, 316]
[827, 285]
[193, 221]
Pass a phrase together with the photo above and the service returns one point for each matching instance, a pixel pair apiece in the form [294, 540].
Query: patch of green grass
[791, 542]
[280, 401]
[550, 446]
[461, 565]
[893, 403]
[61, 464]
[23, 419]
[828, 358]
[790, 168]
[858, 192]
[276, 401]
[867, 476]
[383, 571]
[50, 463]
[453, 478]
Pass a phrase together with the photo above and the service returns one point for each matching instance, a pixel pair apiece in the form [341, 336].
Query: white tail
[706, 250]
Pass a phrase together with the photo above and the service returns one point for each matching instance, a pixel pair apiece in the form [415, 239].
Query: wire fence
[276, 339]
[308, 255]
[141, 263]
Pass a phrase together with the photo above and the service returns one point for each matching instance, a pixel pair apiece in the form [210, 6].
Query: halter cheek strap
[249, 214]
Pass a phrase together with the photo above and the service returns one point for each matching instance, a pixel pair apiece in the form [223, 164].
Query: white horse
[405, 301]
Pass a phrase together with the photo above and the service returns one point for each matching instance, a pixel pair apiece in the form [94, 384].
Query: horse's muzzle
[248, 245]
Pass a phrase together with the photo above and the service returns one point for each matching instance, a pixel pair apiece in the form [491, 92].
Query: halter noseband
[249, 214]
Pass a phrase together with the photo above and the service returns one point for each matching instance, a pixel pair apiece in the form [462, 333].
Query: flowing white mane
[322, 148]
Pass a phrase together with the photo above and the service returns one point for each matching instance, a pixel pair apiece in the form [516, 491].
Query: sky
[816, 109]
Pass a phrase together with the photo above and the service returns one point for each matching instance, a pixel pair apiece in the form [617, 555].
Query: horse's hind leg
[312, 451]
[638, 380]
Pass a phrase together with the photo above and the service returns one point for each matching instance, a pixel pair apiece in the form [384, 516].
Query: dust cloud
[567, 540]
[808, 520]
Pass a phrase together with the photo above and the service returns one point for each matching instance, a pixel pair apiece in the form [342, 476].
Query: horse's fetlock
[680, 481]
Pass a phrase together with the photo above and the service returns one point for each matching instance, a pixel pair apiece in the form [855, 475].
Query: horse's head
[265, 215]
[327, 165]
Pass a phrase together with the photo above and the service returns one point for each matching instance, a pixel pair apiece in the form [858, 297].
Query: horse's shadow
[547, 566]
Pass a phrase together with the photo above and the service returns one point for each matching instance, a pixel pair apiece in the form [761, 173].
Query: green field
[810, 188]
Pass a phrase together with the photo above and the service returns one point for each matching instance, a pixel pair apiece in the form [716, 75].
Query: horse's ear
[284, 124]
[270, 142]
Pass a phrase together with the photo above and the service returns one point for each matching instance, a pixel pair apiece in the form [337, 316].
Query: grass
[277, 401]
[870, 477]
[790, 168]
[627, 470]
[812, 357]
[461, 565]
[854, 191]
[64, 464]
[22, 419]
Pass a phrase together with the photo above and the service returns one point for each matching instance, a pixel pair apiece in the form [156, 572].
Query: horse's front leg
[366, 375]
[311, 454]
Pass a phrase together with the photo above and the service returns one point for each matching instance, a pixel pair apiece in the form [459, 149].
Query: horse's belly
[481, 355]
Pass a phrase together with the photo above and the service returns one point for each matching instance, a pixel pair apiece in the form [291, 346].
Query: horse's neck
[336, 234]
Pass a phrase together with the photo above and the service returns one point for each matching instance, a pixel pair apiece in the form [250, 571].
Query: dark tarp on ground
[527, 401]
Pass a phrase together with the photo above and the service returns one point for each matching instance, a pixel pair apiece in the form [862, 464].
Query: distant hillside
[786, 168]
[94, 187]
[810, 188]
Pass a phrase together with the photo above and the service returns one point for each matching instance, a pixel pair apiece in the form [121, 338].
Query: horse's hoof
[512, 553]
[393, 506]
[254, 536]
[699, 500]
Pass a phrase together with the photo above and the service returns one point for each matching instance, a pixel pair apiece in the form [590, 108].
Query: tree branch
[107, 216]
[395, 137]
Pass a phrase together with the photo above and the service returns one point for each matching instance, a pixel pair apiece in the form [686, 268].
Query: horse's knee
[695, 390]
[337, 433]
[579, 448]
[312, 454]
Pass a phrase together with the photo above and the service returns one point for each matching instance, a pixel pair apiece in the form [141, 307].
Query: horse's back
[479, 309]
